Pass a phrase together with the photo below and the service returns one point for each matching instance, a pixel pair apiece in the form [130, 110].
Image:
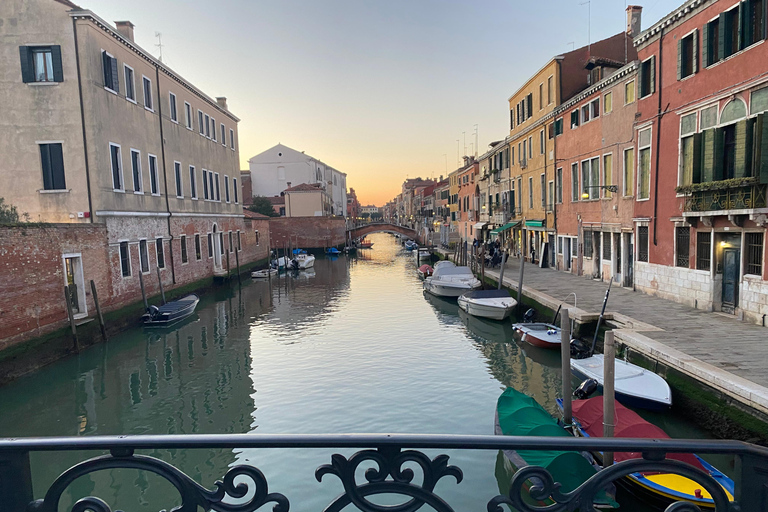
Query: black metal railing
[736, 198]
[390, 460]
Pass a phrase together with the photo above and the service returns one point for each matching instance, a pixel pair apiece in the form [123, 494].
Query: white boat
[493, 304]
[304, 261]
[635, 386]
[422, 254]
[538, 334]
[448, 280]
[264, 273]
[300, 261]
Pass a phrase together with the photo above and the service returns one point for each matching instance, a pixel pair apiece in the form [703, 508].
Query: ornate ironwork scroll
[389, 462]
[738, 198]
[193, 495]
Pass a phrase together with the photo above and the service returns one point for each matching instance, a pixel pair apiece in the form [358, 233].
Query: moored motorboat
[424, 271]
[538, 334]
[332, 251]
[422, 254]
[302, 260]
[364, 244]
[170, 312]
[265, 273]
[410, 245]
[493, 304]
[656, 488]
[448, 280]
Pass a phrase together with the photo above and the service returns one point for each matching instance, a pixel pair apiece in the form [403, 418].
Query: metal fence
[390, 459]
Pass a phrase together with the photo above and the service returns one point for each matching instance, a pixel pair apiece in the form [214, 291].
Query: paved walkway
[716, 348]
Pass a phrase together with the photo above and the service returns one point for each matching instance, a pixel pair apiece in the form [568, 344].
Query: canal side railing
[385, 457]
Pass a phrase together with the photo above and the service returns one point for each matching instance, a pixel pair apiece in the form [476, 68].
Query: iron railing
[389, 458]
[736, 198]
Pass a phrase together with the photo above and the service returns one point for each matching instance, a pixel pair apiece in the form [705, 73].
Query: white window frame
[150, 156]
[188, 116]
[178, 180]
[162, 249]
[112, 165]
[605, 111]
[141, 178]
[144, 93]
[625, 192]
[559, 179]
[193, 180]
[603, 191]
[149, 265]
[198, 239]
[634, 84]
[206, 193]
[681, 136]
[217, 184]
[102, 72]
[223, 135]
[234, 190]
[200, 119]
[207, 126]
[125, 83]
[183, 244]
[650, 165]
[173, 105]
[226, 188]
[232, 139]
[120, 257]
[542, 142]
[213, 130]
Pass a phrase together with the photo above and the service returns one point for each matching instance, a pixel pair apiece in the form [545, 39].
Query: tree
[365, 215]
[376, 216]
[10, 215]
[262, 205]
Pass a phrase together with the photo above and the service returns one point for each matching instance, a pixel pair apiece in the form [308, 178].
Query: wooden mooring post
[237, 263]
[520, 285]
[98, 310]
[71, 316]
[160, 282]
[143, 293]
[609, 404]
[565, 366]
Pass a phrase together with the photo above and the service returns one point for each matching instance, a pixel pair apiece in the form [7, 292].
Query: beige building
[97, 130]
[307, 200]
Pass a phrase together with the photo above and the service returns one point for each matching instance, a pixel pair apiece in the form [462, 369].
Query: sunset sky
[379, 90]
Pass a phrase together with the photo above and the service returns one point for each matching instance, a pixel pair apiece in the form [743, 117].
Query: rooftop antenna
[159, 44]
[589, 25]
[573, 45]
[476, 130]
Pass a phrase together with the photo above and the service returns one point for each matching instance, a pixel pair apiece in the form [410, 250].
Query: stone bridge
[380, 227]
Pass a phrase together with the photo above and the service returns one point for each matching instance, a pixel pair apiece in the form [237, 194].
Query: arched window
[733, 111]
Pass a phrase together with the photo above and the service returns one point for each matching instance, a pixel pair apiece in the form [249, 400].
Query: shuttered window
[147, 93]
[172, 103]
[160, 253]
[52, 160]
[143, 256]
[644, 165]
[177, 174]
[205, 185]
[648, 77]
[710, 42]
[109, 69]
[703, 248]
[574, 182]
[138, 185]
[125, 259]
[130, 86]
[223, 135]
[198, 252]
[184, 256]
[41, 64]
[117, 166]
[682, 242]
[226, 188]
[153, 183]
[687, 55]
[192, 182]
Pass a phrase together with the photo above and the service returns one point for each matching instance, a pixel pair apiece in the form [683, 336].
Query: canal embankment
[714, 363]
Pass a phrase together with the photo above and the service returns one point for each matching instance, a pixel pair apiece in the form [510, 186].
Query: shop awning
[505, 227]
[534, 223]
[480, 225]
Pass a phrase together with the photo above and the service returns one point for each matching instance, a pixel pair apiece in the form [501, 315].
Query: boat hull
[448, 289]
[538, 337]
[264, 274]
[475, 308]
[163, 319]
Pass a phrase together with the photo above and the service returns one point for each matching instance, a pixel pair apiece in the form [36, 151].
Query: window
[688, 156]
[753, 23]
[188, 115]
[682, 242]
[42, 64]
[210, 245]
[590, 178]
[648, 77]
[257, 238]
[218, 191]
[559, 185]
[136, 172]
[574, 247]
[587, 244]
[530, 192]
[125, 259]
[160, 253]
[234, 188]
[207, 126]
[711, 42]
[143, 256]
[198, 252]
[147, 93]
[642, 243]
[703, 248]
[231, 245]
[644, 164]
[200, 122]
[574, 182]
[541, 96]
[574, 118]
[729, 33]
[52, 160]
[226, 188]
[629, 171]
[205, 185]
[558, 126]
[109, 71]
[172, 103]
[153, 183]
[239, 242]
[192, 182]
[607, 174]
[606, 246]
[232, 139]
[184, 257]
[551, 196]
[530, 146]
[549, 90]
[754, 246]
[560, 245]
[629, 92]
[177, 173]
[541, 142]
[584, 113]
[687, 55]
[210, 185]
[223, 134]
[608, 102]
[117, 166]
[543, 186]
[130, 84]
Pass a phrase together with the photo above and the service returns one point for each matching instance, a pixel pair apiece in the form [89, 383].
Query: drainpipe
[165, 172]
[659, 115]
[82, 120]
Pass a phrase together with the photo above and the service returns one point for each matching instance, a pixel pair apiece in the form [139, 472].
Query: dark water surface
[355, 347]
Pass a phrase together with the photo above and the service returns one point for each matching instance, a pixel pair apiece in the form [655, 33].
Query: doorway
[74, 279]
[617, 257]
[567, 253]
[731, 259]
[216, 248]
[630, 258]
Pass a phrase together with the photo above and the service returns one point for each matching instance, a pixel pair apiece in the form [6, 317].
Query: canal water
[354, 346]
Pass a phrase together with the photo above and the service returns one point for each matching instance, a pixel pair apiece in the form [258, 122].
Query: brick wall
[307, 232]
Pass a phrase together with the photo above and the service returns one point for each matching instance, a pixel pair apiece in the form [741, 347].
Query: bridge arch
[381, 227]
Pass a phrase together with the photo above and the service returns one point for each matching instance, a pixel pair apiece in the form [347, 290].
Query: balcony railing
[735, 198]
[395, 465]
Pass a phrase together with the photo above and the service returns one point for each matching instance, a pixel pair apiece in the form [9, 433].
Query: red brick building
[702, 157]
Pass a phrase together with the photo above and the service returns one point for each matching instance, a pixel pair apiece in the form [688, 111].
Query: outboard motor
[295, 264]
[151, 313]
[529, 316]
[585, 389]
[579, 349]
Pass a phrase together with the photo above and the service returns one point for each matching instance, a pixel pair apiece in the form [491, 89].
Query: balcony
[745, 194]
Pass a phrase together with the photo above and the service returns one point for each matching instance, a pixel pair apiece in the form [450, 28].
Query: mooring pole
[520, 285]
[565, 366]
[98, 310]
[482, 266]
[15, 480]
[229, 270]
[71, 316]
[143, 293]
[237, 262]
[609, 403]
[160, 282]
[501, 272]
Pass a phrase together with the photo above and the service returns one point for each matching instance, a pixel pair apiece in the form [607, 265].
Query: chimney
[126, 29]
[289, 184]
[633, 20]
[222, 101]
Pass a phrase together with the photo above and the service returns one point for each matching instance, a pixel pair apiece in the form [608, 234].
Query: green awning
[534, 223]
[505, 227]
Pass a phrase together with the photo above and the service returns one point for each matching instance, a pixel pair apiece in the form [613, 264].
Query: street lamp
[610, 188]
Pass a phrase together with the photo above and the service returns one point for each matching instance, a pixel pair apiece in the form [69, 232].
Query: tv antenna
[159, 44]
[588, 3]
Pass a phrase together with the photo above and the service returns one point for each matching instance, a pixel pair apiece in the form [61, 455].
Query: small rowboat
[538, 334]
[171, 312]
[424, 271]
[264, 273]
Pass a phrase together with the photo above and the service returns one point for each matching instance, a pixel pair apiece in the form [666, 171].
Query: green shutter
[696, 51]
[680, 58]
[705, 46]
[761, 149]
[722, 35]
[743, 148]
[27, 68]
[697, 145]
[707, 156]
[744, 25]
[58, 72]
[640, 79]
[717, 171]
[653, 75]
